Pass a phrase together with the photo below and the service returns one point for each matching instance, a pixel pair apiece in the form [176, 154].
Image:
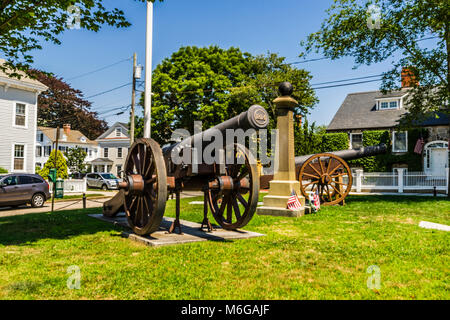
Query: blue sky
[255, 26]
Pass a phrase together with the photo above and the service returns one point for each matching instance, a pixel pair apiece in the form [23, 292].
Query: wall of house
[113, 147]
[17, 135]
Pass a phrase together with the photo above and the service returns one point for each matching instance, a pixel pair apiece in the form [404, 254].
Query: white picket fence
[73, 186]
[399, 181]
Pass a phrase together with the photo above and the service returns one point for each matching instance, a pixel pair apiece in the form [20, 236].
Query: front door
[438, 161]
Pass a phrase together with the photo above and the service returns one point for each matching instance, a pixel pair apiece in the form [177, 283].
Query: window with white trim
[400, 141]
[118, 132]
[119, 153]
[20, 115]
[356, 140]
[386, 105]
[19, 157]
[47, 151]
[106, 153]
[38, 151]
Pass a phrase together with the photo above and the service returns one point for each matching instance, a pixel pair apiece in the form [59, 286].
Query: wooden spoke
[317, 171]
[237, 211]
[310, 175]
[242, 200]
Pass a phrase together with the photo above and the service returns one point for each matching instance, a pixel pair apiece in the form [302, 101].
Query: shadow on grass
[26, 229]
[395, 199]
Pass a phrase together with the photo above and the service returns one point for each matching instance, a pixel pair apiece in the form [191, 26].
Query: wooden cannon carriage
[327, 173]
[230, 190]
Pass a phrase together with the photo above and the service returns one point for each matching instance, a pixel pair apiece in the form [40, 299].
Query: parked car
[78, 175]
[19, 189]
[104, 181]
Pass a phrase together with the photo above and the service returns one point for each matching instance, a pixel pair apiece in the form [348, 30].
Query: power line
[98, 70]
[346, 84]
[108, 91]
[345, 80]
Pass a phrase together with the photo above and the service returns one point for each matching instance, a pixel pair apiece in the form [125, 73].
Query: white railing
[400, 181]
[73, 186]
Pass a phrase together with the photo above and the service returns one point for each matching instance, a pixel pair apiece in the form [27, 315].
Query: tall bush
[50, 164]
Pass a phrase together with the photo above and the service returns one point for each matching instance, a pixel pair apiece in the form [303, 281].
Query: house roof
[101, 160]
[73, 137]
[358, 111]
[25, 82]
[112, 128]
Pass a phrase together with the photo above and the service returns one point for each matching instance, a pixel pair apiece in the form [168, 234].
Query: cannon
[230, 188]
[328, 173]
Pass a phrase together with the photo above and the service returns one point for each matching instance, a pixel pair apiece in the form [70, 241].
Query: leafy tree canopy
[401, 26]
[62, 103]
[75, 159]
[213, 84]
[26, 24]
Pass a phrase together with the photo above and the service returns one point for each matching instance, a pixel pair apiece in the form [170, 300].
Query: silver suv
[104, 181]
[19, 189]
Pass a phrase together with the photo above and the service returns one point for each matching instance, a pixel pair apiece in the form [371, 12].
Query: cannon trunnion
[230, 189]
[328, 174]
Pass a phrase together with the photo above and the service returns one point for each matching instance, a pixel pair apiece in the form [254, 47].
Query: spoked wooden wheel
[145, 186]
[328, 175]
[235, 204]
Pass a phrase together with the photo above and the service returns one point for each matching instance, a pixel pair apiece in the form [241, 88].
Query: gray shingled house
[366, 111]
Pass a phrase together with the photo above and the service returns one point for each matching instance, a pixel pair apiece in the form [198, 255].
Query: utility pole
[148, 72]
[56, 167]
[133, 100]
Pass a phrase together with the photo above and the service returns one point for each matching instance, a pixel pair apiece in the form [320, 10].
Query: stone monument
[284, 182]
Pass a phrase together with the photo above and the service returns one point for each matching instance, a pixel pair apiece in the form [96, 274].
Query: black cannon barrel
[256, 117]
[350, 154]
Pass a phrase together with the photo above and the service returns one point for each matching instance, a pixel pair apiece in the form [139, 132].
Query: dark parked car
[19, 189]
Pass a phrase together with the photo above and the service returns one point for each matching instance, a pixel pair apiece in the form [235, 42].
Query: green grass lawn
[321, 256]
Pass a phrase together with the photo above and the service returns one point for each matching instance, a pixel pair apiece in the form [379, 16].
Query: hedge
[2, 170]
[334, 142]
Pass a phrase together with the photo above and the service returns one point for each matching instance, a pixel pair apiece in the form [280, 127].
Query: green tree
[308, 138]
[213, 84]
[351, 29]
[25, 24]
[75, 159]
[61, 165]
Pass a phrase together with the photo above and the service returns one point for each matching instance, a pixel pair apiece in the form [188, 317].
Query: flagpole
[148, 72]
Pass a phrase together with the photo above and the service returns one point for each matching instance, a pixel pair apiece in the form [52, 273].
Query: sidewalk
[75, 204]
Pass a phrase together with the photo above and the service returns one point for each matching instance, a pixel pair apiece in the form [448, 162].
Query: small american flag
[316, 200]
[293, 202]
[419, 146]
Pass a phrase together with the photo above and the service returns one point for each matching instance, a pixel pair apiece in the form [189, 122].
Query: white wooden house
[18, 121]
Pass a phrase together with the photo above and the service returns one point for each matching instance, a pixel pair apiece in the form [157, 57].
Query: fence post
[359, 174]
[401, 172]
[446, 179]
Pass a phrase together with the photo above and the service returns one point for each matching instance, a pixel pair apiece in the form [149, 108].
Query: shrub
[334, 142]
[3, 170]
[50, 164]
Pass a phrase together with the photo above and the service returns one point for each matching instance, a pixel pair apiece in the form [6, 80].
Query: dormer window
[388, 105]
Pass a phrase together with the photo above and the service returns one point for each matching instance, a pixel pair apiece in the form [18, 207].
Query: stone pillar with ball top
[285, 180]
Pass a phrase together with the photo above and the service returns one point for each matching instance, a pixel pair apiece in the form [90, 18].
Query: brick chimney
[409, 79]
[66, 128]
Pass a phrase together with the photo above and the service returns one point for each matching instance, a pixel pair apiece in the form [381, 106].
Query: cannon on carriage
[230, 188]
[327, 173]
